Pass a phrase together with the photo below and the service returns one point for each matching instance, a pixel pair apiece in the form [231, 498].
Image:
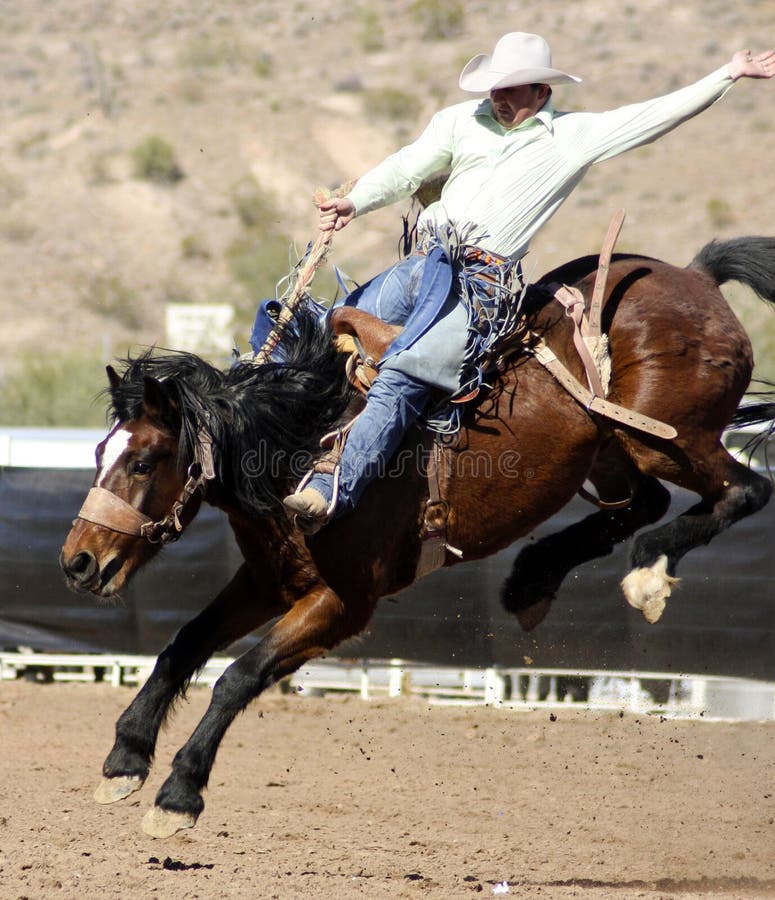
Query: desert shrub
[53, 390]
[15, 229]
[720, 213]
[350, 84]
[263, 65]
[258, 260]
[262, 258]
[108, 296]
[261, 255]
[372, 35]
[12, 187]
[206, 52]
[438, 19]
[391, 103]
[194, 246]
[255, 207]
[154, 160]
[33, 146]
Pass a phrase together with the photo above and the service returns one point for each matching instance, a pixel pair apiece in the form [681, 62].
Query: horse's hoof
[111, 790]
[163, 823]
[647, 589]
[531, 616]
[652, 609]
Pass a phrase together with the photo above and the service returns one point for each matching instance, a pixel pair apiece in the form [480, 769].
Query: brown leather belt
[473, 254]
[476, 254]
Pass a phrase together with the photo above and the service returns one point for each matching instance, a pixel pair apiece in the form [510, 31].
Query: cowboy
[513, 160]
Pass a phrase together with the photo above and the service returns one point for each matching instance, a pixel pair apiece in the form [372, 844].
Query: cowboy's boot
[310, 508]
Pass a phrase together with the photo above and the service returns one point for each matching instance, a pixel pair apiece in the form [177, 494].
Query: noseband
[103, 507]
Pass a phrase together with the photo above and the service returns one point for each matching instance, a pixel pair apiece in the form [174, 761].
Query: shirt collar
[545, 115]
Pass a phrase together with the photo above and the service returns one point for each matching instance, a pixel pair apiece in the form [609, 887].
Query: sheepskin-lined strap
[595, 404]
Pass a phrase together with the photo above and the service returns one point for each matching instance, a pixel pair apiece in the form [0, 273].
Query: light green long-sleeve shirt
[505, 184]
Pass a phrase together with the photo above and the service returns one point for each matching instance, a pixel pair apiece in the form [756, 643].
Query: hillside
[260, 103]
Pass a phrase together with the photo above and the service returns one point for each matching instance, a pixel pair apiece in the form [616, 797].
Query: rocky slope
[260, 103]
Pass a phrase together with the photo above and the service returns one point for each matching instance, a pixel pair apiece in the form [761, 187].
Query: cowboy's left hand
[745, 64]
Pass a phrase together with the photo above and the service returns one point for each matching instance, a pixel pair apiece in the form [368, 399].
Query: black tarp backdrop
[721, 619]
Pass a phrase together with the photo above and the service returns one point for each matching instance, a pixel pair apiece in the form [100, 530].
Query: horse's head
[139, 499]
[171, 412]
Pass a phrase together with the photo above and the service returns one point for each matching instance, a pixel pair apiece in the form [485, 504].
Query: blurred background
[158, 160]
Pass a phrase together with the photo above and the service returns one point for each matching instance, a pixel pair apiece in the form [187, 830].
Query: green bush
[154, 160]
[208, 52]
[438, 19]
[255, 208]
[372, 35]
[258, 261]
[391, 103]
[194, 246]
[261, 258]
[720, 213]
[108, 296]
[263, 66]
[53, 391]
[12, 187]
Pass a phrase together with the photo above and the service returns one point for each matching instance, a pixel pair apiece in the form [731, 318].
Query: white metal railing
[663, 693]
[73, 448]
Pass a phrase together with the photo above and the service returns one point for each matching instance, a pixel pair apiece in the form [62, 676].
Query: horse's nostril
[81, 568]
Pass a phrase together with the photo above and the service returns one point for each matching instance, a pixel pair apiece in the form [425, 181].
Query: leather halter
[103, 507]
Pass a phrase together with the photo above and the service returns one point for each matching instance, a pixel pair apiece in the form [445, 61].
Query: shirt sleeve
[608, 134]
[401, 174]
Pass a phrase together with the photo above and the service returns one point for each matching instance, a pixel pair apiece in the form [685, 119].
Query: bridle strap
[103, 507]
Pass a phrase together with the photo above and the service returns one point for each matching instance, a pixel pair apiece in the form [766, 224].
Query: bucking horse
[185, 432]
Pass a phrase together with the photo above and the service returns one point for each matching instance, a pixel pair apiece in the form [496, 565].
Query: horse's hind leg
[233, 614]
[315, 624]
[733, 493]
[540, 568]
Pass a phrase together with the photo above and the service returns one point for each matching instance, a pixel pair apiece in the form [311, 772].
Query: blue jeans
[391, 296]
[395, 399]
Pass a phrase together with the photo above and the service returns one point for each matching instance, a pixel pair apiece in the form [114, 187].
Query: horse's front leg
[233, 614]
[315, 624]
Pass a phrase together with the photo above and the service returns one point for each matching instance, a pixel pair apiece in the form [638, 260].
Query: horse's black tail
[755, 418]
[750, 260]
[758, 408]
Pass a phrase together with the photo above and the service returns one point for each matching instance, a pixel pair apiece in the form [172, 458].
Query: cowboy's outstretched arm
[336, 213]
[746, 64]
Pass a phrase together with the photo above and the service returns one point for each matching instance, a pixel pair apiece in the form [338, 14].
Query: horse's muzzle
[83, 574]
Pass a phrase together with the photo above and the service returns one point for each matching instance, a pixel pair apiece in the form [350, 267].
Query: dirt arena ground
[337, 798]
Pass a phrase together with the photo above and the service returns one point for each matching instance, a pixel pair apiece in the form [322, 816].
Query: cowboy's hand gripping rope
[313, 260]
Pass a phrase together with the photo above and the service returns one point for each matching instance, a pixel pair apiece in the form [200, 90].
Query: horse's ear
[114, 378]
[157, 402]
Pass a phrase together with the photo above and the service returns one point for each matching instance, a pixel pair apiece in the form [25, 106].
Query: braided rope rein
[312, 262]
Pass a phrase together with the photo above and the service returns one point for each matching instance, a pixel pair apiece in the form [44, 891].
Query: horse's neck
[267, 546]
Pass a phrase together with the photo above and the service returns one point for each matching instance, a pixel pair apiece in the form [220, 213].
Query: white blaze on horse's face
[115, 445]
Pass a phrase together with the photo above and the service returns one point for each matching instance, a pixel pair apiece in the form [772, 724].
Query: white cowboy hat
[518, 58]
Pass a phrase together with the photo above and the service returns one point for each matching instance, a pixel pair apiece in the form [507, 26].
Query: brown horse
[678, 355]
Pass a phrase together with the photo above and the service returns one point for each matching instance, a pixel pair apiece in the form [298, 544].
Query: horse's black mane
[265, 420]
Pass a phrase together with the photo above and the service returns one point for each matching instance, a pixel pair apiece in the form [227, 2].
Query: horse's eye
[140, 468]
